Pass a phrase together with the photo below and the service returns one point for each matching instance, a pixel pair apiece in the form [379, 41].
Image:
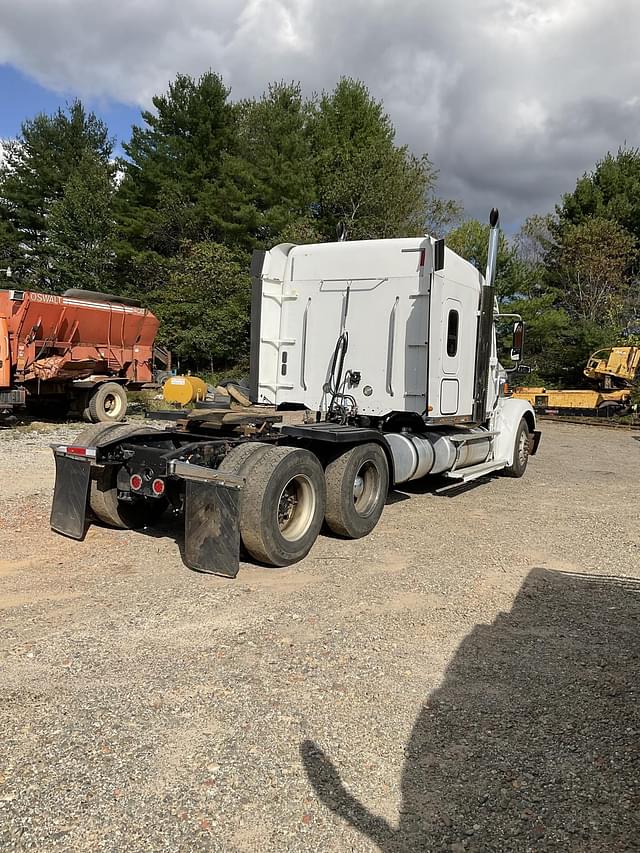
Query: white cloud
[513, 99]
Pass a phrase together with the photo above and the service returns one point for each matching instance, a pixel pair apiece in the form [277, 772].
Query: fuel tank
[417, 454]
[184, 389]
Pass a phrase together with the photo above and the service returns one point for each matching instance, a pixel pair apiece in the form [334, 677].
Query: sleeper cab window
[452, 333]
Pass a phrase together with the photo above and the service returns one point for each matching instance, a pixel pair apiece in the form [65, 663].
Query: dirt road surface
[464, 679]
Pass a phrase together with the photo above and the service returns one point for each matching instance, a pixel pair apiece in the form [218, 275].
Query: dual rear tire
[357, 485]
[282, 506]
[288, 496]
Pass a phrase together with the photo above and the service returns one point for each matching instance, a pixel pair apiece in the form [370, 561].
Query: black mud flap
[69, 509]
[211, 528]
[535, 442]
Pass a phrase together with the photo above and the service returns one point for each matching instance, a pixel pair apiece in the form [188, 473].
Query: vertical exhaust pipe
[485, 323]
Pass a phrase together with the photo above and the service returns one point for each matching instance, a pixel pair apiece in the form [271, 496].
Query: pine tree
[275, 148]
[177, 184]
[610, 191]
[81, 228]
[33, 176]
[363, 179]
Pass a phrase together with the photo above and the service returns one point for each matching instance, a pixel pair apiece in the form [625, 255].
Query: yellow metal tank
[184, 390]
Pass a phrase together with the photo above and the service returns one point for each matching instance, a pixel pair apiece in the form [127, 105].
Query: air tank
[416, 455]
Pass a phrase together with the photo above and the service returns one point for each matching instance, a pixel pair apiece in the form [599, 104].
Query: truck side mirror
[517, 345]
[438, 255]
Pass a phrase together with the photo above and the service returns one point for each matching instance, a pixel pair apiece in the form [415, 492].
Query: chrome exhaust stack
[485, 323]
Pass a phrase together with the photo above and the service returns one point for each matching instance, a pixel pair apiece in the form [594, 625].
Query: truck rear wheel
[103, 491]
[521, 449]
[238, 460]
[283, 506]
[90, 435]
[357, 486]
[108, 403]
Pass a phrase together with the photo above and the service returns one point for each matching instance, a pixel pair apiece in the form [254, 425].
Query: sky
[512, 99]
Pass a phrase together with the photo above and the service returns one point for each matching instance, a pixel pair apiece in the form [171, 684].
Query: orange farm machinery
[78, 351]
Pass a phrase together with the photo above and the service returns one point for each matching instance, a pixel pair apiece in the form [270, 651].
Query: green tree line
[572, 274]
[204, 180]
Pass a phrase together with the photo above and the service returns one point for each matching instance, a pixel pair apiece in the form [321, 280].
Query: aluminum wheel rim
[522, 448]
[366, 488]
[296, 508]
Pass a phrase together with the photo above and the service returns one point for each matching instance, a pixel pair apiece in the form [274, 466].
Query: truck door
[453, 320]
[449, 386]
[5, 362]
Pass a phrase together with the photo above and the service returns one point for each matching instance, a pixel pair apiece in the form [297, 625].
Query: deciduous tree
[593, 260]
[203, 305]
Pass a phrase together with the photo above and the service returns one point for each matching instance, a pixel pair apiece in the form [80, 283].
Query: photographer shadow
[533, 740]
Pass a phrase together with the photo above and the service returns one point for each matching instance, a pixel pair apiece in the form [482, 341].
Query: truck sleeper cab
[389, 345]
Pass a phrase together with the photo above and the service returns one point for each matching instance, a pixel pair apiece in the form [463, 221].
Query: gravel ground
[463, 679]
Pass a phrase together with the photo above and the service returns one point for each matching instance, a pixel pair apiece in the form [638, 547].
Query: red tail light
[68, 450]
[158, 487]
[135, 482]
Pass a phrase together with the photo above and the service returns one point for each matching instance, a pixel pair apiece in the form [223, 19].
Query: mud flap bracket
[69, 508]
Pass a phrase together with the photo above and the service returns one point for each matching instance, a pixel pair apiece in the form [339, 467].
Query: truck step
[471, 437]
[467, 475]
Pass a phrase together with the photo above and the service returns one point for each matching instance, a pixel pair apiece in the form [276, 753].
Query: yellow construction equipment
[604, 402]
[614, 369]
[184, 390]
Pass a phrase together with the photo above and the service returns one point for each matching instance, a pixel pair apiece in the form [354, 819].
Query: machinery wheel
[357, 486]
[522, 445]
[612, 409]
[103, 492]
[108, 403]
[283, 506]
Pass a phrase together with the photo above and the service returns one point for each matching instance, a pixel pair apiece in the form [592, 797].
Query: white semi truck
[389, 346]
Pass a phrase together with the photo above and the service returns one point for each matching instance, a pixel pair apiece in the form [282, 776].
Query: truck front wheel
[108, 403]
[521, 449]
[357, 486]
[283, 505]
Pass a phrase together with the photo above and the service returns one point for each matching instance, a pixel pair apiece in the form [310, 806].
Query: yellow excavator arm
[618, 364]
